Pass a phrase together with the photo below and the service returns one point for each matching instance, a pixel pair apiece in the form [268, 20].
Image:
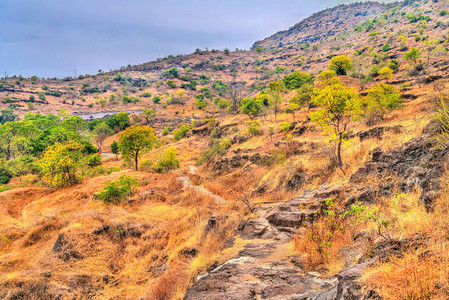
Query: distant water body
[102, 114]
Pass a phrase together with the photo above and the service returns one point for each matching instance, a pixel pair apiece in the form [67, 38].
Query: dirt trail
[200, 189]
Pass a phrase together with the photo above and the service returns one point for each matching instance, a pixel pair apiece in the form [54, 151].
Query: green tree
[15, 139]
[119, 121]
[7, 115]
[250, 106]
[338, 105]
[385, 73]
[297, 79]
[303, 96]
[115, 149]
[276, 88]
[292, 108]
[74, 123]
[381, 99]
[135, 140]
[340, 64]
[61, 163]
[101, 132]
[328, 77]
[413, 55]
[149, 115]
[430, 46]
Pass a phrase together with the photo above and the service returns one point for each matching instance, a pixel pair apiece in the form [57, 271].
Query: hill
[255, 185]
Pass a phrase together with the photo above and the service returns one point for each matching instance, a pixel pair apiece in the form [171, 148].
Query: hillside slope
[258, 207]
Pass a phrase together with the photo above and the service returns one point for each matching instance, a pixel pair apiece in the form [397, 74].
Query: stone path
[266, 268]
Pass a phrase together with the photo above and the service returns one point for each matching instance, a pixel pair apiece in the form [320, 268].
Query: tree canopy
[135, 140]
[337, 106]
[340, 64]
[297, 79]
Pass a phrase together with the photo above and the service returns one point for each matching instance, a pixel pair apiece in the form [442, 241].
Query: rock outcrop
[418, 164]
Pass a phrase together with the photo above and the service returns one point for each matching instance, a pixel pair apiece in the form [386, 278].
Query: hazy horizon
[55, 38]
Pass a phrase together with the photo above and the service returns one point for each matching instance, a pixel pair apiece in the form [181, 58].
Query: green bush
[285, 127]
[146, 165]
[146, 94]
[5, 175]
[171, 83]
[181, 131]
[166, 130]
[129, 99]
[172, 73]
[117, 191]
[200, 103]
[94, 160]
[166, 161]
[297, 79]
[254, 128]
[7, 100]
[251, 106]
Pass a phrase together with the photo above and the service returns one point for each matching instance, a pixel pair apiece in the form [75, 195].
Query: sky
[59, 38]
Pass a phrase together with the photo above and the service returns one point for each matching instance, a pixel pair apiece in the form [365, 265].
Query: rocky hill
[240, 195]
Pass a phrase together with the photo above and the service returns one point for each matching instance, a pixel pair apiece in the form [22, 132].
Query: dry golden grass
[34, 218]
[171, 285]
[422, 273]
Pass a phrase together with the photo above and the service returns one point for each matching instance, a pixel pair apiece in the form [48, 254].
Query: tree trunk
[136, 158]
[339, 160]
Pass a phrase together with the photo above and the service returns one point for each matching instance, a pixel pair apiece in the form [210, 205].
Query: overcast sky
[53, 38]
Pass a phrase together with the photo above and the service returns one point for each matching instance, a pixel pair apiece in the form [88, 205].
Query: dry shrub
[322, 240]
[169, 285]
[195, 179]
[22, 289]
[196, 197]
[217, 189]
[174, 185]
